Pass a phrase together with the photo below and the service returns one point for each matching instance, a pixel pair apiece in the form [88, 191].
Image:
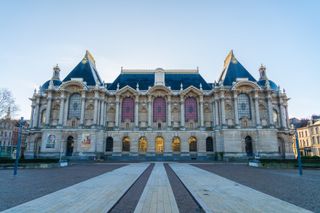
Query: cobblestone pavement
[33, 183]
[284, 184]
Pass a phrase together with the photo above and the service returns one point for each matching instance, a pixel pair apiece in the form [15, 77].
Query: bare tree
[7, 102]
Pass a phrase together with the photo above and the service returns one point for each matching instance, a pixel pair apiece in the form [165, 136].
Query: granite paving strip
[97, 194]
[130, 199]
[217, 194]
[157, 196]
[184, 199]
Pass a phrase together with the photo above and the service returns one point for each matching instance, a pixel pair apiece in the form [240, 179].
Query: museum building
[159, 114]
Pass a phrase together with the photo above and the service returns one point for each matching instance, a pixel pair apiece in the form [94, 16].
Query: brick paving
[284, 184]
[34, 183]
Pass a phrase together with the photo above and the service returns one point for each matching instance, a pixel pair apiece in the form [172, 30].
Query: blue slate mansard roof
[233, 70]
[46, 84]
[86, 70]
[273, 85]
[172, 80]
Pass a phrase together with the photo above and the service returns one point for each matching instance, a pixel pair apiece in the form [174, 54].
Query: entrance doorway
[159, 145]
[70, 144]
[248, 146]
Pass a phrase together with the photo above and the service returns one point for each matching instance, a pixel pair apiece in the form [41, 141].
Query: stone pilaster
[270, 110]
[256, 106]
[102, 112]
[201, 113]
[66, 110]
[223, 113]
[236, 114]
[282, 114]
[182, 117]
[61, 112]
[117, 111]
[136, 112]
[32, 115]
[96, 102]
[213, 113]
[83, 105]
[37, 112]
[216, 110]
[48, 109]
[169, 111]
[149, 112]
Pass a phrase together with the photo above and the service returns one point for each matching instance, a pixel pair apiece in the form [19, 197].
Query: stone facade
[160, 120]
[309, 139]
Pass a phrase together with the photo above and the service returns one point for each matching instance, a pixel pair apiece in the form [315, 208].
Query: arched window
[244, 106]
[74, 106]
[190, 109]
[127, 109]
[193, 144]
[159, 110]
[109, 144]
[248, 146]
[176, 144]
[159, 144]
[209, 144]
[126, 144]
[143, 144]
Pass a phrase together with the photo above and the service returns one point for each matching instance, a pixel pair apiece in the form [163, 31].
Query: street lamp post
[298, 152]
[18, 147]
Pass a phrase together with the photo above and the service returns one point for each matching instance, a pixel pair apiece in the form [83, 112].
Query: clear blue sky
[285, 36]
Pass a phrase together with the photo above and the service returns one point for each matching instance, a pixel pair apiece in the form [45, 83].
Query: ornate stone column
[36, 113]
[101, 111]
[136, 112]
[287, 115]
[216, 110]
[149, 112]
[223, 113]
[236, 114]
[83, 105]
[256, 106]
[282, 114]
[169, 111]
[48, 109]
[106, 112]
[66, 109]
[117, 111]
[96, 99]
[270, 110]
[61, 112]
[182, 118]
[213, 114]
[32, 115]
[201, 113]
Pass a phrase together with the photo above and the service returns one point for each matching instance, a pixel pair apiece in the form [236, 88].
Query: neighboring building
[159, 114]
[9, 129]
[309, 139]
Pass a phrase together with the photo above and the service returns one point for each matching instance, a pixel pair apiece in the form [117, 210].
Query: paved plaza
[159, 187]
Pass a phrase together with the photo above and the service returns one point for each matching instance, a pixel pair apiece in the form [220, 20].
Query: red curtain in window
[159, 109]
[190, 108]
[127, 112]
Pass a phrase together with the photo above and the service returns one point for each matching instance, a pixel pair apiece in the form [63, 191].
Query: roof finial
[181, 86]
[200, 86]
[89, 57]
[118, 86]
[56, 73]
[137, 87]
[263, 73]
